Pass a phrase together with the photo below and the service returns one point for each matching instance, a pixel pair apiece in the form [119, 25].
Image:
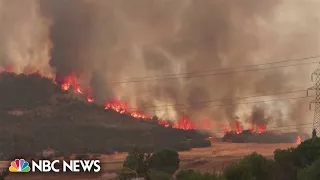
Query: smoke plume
[139, 51]
[24, 40]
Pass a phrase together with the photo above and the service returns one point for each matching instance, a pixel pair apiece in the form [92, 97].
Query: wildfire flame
[70, 82]
[238, 127]
[261, 128]
[185, 124]
[298, 140]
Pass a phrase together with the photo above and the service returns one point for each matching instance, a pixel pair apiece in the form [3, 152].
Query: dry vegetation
[205, 159]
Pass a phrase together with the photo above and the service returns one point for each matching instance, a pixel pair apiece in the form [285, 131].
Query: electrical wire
[229, 71]
[232, 104]
[217, 100]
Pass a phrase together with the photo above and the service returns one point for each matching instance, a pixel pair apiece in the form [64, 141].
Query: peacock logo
[19, 165]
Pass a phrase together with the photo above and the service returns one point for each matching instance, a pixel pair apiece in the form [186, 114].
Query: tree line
[300, 163]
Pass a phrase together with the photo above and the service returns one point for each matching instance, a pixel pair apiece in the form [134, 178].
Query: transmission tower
[315, 77]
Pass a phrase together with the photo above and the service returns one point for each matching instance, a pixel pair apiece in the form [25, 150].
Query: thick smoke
[24, 41]
[258, 116]
[106, 42]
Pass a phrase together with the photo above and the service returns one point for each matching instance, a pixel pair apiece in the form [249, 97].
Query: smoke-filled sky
[102, 41]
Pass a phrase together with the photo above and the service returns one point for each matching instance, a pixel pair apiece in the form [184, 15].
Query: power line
[232, 104]
[288, 127]
[196, 74]
[316, 101]
[294, 125]
[234, 68]
[285, 126]
[217, 100]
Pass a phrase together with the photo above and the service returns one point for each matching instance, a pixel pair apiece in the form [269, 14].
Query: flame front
[70, 82]
[260, 128]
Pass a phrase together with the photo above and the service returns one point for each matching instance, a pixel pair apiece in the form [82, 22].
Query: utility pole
[315, 77]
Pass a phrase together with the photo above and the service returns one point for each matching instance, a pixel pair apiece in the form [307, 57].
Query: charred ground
[36, 114]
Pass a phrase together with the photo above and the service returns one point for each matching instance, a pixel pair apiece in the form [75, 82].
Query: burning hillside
[233, 132]
[47, 111]
[258, 132]
[248, 136]
[172, 54]
[70, 83]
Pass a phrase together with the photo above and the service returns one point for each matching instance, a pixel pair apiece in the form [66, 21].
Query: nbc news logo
[20, 165]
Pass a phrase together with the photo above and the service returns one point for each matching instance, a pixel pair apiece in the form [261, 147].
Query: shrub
[158, 175]
[285, 164]
[237, 171]
[253, 166]
[259, 166]
[165, 160]
[311, 172]
[126, 174]
[307, 152]
[137, 161]
[190, 174]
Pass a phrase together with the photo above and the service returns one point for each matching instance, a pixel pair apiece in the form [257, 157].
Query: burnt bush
[265, 137]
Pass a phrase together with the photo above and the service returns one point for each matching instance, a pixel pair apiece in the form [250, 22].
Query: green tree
[126, 174]
[137, 161]
[288, 162]
[285, 164]
[259, 165]
[307, 152]
[253, 166]
[165, 160]
[237, 171]
[311, 172]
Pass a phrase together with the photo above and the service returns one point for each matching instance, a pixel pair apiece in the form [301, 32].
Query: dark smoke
[71, 33]
[258, 116]
[105, 41]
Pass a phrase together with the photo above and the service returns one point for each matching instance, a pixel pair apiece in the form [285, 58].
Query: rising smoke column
[24, 41]
[105, 41]
[259, 118]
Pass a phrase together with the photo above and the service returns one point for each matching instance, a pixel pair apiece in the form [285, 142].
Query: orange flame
[238, 127]
[185, 124]
[120, 107]
[298, 140]
[260, 128]
[71, 81]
